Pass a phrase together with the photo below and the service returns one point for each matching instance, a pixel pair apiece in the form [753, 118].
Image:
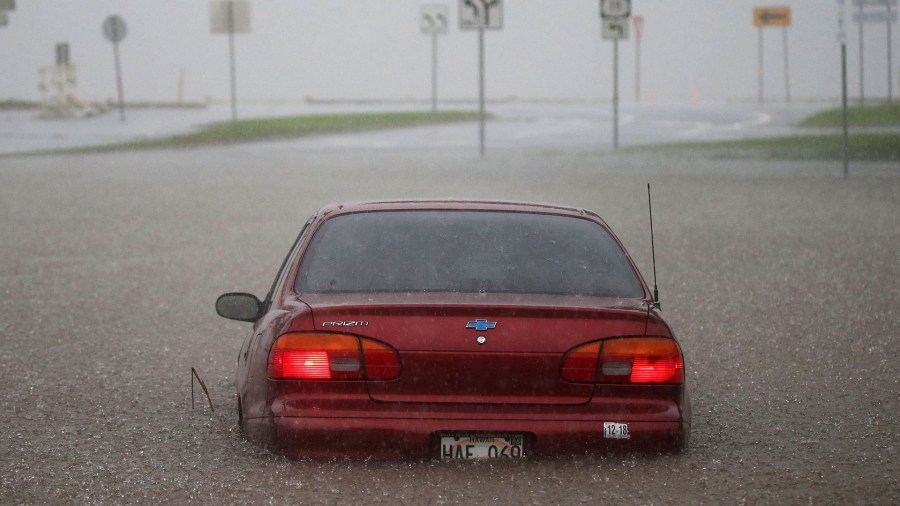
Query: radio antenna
[652, 249]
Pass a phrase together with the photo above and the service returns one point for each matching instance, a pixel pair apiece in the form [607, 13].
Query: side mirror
[243, 307]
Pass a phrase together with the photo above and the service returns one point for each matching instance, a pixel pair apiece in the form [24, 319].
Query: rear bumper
[418, 437]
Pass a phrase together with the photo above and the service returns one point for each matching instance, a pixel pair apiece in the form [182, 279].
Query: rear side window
[466, 251]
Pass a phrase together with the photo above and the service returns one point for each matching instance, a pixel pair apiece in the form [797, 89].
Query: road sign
[114, 29]
[615, 9]
[615, 29]
[229, 16]
[7, 5]
[772, 16]
[480, 14]
[434, 19]
[874, 17]
[865, 3]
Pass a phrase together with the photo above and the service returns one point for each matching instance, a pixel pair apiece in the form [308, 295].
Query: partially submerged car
[458, 330]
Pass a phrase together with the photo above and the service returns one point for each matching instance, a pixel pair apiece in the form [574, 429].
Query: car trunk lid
[465, 350]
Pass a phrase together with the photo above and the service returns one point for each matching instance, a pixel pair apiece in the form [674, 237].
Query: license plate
[482, 446]
[613, 430]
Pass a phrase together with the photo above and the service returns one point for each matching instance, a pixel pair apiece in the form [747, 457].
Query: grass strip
[863, 147]
[880, 115]
[12, 104]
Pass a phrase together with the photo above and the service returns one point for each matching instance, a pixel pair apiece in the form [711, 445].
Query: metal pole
[615, 93]
[889, 60]
[760, 66]
[231, 53]
[845, 146]
[481, 88]
[434, 71]
[862, 94]
[637, 70]
[119, 86]
[787, 68]
[180, 85]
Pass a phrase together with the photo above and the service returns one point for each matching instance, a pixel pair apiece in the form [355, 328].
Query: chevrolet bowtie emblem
[481, 325]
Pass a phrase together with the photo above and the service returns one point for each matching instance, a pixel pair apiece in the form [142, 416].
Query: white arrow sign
[480, 14]
[434, 19]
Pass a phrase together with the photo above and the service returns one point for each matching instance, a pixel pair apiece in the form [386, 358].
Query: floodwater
[512, 125]
[779, 278]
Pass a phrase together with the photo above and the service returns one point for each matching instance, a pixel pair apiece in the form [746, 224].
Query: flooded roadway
[513, 124]
[780, 279]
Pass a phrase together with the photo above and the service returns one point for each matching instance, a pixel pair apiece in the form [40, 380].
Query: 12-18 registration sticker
[613, 430]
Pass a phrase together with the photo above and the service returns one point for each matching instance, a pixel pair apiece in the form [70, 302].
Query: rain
[779, 276]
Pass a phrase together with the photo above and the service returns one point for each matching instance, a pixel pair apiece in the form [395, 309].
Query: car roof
[454, 205]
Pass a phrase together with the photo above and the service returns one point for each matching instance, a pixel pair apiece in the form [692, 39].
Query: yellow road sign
[772, 16]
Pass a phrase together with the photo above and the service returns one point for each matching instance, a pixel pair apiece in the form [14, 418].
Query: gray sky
[701, 49]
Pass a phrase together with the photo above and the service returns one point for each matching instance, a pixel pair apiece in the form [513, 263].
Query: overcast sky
[351, 49]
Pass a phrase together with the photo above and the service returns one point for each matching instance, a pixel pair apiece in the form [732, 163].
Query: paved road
[781, 280]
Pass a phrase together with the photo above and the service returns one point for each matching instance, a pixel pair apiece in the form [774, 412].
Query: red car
[458, 330]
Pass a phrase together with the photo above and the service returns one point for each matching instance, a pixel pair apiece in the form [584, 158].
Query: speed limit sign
[615, 8]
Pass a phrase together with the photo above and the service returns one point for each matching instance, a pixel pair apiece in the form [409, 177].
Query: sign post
[115, 29]
[434, 22]
[862, 17]
[890, 72]
[615, 14]
[638, 31]
[481, 15]
[842, 38]
[764, 17]
[230, 16]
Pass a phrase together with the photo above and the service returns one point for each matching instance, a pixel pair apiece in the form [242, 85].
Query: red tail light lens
[382, 362]
[641, 360]
[317, 356]
[580, 364]
[632, 360]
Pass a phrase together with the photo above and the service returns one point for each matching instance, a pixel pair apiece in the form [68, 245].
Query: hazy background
[699, 50]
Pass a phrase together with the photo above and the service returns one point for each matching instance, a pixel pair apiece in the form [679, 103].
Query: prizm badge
[481, 325]
[346, 324]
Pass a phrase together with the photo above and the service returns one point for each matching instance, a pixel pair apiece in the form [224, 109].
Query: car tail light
[320, 356]
[580, 364]
[641, 360]
[631, 360]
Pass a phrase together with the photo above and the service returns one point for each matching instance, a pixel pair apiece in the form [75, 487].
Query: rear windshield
[466, 251]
